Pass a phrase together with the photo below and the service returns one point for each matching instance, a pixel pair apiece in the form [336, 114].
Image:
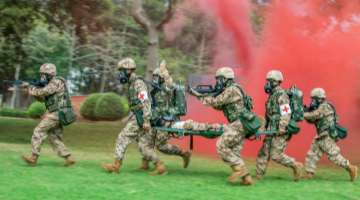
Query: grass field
[92, 143]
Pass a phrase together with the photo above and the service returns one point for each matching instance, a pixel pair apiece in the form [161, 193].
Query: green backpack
[338, 130]
[180, 104]
[296, 103]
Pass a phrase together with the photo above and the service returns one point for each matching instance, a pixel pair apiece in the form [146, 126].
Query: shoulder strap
[335, 113]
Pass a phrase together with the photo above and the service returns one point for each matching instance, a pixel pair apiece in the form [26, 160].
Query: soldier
[165, 104]
[138, 101]
[278, 115]
[56, 96]
[229, 145]
[325, 142]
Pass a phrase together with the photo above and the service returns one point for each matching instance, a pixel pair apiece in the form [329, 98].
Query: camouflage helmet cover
[127, 63]
[275, 74]
[318, 92]
[226, 72]
[48, 68]
[157, 71]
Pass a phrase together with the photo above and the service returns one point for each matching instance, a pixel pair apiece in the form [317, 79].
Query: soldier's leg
[196, 126]
[278, 146]
[228, 147]
[263, 157]
[126, 136]
[162, 143]
[59, 146]
[313, 156]
[40, 133]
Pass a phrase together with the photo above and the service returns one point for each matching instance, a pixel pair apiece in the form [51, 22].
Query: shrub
[109, 107]
[6, 112]
[126, 105]
[88, 107]
[37, 109]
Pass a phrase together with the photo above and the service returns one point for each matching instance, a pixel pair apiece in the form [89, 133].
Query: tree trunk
[71, 56]
[153, 51]
[17, 89]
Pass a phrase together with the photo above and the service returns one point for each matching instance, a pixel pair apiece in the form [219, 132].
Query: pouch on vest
[293, 127]
[251, 126]
[154, 118]
[67, 116]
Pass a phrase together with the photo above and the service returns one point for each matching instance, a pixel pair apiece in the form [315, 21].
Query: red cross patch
[142, 96]
[285, 109]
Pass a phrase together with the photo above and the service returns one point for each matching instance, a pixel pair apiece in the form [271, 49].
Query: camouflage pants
[274, 147]
[323, 143]
[161, 142]
[230, 144]
[49, 126]
[132, 132]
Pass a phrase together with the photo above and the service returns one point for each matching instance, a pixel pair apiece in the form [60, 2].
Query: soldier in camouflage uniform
[56, 96]
[229, 145]
[138, 101]
[278, 115]
[165, 103]
[325, 142]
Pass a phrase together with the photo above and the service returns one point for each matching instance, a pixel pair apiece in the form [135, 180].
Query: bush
[126, 105]
[37, 109]
[88, 107]
[6, 112]
[109, 107]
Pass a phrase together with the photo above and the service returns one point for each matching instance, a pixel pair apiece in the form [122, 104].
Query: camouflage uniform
[323, 118]
[50, 125]
[132, 131]
[275, 145]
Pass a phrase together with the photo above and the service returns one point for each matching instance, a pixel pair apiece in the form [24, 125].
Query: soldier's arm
[141, 90]
[285, 118]
[229, 95]
[323, 111]
[40, 99]
[49, 89]
[169, 86]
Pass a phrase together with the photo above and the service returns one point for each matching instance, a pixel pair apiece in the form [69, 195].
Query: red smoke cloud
[314, 43]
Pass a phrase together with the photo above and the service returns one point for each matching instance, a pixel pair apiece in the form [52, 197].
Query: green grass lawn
[92, 143]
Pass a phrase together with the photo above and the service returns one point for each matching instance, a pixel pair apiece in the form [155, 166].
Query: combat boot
[69, 161]
[160, 169]
[247, 181]
[239, 172]
[114, 167]
[144, 165]
[186, 156]
[258, 177]
[308, 175]
[352, 171]
[297, 167]
[30, 159]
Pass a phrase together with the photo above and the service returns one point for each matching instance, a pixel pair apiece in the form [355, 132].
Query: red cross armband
[285, 109]
[142, 96]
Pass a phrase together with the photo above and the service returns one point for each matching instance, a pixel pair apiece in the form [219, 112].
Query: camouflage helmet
[157, 71]
[127, 63]
[226, 72]
[318, 92]
[275, 74]
[48, 68]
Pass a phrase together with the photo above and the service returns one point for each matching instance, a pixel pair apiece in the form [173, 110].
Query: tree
[152, 29]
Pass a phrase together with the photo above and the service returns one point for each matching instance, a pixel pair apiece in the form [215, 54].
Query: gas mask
[268, 88]
[315, 105]
[157, 82]
[220, 85]
[124, 77]
[45, 81]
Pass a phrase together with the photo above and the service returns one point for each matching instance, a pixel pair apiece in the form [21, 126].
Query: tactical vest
[273, 109]
[323, 124]
[133, 100]
[230, 111]
[57, 101]
[164, 105]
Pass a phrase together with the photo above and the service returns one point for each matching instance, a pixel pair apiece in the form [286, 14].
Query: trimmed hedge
[88, 107]
[37, 109]
[124, 100]
[6, 112]
[109, 107]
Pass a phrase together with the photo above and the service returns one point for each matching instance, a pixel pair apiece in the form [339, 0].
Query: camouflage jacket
[55, 94]
[277, 98]
[164, 98]
[139, 97]
[230, 101]
[322, 117]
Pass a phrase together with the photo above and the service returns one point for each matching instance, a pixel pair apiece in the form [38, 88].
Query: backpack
[248, 104]
[296, 103]
[340, 130]
[180, 104]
